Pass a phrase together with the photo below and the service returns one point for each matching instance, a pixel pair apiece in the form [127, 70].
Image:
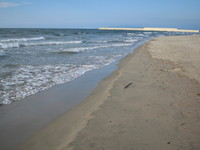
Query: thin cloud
[7, 4]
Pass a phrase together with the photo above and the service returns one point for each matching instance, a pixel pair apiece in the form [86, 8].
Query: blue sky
[183, 14]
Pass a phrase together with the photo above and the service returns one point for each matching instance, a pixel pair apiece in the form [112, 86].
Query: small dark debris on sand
[127, 85]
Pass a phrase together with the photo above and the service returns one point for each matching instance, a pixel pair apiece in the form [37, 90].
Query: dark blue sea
[32, 60]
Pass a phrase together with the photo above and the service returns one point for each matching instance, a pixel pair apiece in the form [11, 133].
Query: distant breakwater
[151, 29]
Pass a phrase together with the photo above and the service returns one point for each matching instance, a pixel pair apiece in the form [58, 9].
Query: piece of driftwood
[127, 85]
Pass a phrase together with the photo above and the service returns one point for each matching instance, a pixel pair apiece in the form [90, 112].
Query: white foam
[79, 49]
[131, 34]
[105, 60]
[99, 41]
[147, 32]
[8, 45]
[23, 39]
[120, 45]
[17, 44]
[131, 40]
[50, 43]
[28, 80]
[120, 40]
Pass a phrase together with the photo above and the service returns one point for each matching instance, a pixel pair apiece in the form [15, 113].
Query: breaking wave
[80, 49]
[17, 45]
[28, 80]
[23, 39]
[50, 43]
[9, 45]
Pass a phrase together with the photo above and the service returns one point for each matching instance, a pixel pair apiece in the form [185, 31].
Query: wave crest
[79, 49]
[9, 45]
[16, 44]
[23, 39]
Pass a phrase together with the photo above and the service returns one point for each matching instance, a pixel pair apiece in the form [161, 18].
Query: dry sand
[160, 110]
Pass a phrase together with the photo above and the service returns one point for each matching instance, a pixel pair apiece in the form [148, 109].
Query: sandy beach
[151, 102]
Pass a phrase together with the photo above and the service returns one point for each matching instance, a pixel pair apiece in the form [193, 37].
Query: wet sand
[21, 119]
[151, 102]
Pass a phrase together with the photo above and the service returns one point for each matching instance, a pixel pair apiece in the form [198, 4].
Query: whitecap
[9, 45]
[131, 40]
[147, 32]
[79, 49]
[23, 39]
[50, 43]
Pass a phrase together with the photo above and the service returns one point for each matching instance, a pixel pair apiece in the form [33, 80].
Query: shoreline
[38, 110]
[159, 110]
[77, 117]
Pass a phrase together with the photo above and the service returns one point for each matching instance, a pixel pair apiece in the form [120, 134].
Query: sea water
[32, 60]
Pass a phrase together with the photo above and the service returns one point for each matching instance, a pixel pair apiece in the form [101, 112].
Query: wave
[28, 80]
[117, 41]
[11, 66]
[120, 45]
[95, 41]
[109, 41]
[23, 39]
[79, 33]
[131, 41]
[66, 52]
[137, 34]
[103, 41]
[16, 44]
[147, 32]
[105, 60]
[132, 34]
[9, 45]
[59, 34]
[50, 43]
[79, 49]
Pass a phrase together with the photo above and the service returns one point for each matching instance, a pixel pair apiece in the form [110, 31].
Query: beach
[150, 102]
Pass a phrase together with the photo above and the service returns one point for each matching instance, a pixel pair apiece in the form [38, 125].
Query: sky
[182, 14]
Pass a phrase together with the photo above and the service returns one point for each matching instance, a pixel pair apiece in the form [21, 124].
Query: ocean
[33, 60]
